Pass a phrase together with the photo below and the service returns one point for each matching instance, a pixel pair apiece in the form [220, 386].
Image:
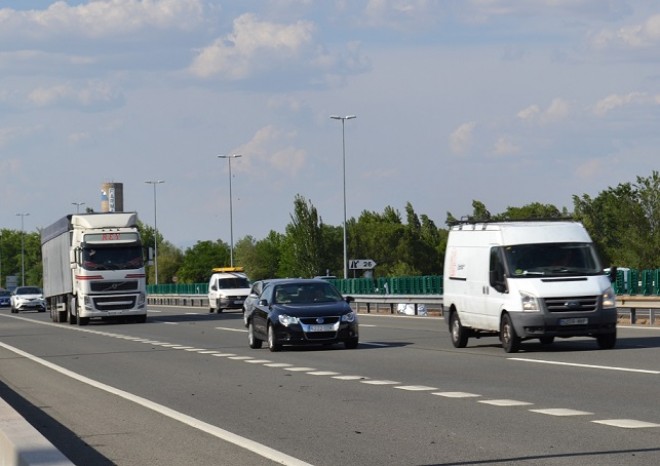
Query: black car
[302, 312]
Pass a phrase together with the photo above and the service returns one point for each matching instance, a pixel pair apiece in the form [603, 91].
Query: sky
[506, 102]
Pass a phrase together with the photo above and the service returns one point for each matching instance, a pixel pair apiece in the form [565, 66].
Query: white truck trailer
[93, 267]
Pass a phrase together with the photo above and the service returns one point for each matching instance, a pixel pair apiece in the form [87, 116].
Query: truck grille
[114, 303]
[110, 286]
[572, 304]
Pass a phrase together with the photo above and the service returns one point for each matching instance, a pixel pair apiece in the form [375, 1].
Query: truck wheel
[606, 340]
[510, 341]
[459, 334]
[83, 321]
[72, 307]
[253, 341]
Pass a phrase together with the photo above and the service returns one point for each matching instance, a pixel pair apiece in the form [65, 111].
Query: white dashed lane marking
[456, 394]
[416, 388]
[561, 412]
[505, 402]
[626, 423]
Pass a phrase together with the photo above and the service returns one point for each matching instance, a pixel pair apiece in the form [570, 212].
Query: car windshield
[306, 293]
[552, 259]
[114, 258]
[28, 290]
[232, 283]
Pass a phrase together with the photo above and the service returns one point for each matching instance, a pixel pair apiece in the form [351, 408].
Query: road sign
[361, 264]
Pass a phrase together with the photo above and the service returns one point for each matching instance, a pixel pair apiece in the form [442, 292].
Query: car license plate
[321, 328]
[574, 321]
[238, 301]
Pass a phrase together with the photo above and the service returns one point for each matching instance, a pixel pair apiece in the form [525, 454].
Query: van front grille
[572, 304]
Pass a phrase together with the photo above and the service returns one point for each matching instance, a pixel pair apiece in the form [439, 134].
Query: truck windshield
[113, 258]
[552, 259]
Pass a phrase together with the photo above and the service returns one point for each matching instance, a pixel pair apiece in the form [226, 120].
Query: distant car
[5, 298]
[27, 298]
[302, 312]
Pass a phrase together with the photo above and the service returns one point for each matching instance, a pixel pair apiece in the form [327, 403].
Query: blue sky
[504, 101]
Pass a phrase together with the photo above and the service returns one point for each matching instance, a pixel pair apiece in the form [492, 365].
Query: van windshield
[233, 283]
[552, 259]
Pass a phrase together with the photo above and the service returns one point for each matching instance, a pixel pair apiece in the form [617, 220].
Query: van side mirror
[612, 274]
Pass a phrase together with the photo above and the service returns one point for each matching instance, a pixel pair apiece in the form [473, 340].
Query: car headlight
[288, 320]
[350, 317]
[609, 298]
[529, 302]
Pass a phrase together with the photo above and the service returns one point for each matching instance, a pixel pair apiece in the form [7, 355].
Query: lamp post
[231, 214]
[154, 183]
[343, 144]
[78, 204]
[22, 215]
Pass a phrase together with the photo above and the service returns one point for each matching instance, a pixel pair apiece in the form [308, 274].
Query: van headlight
[609, 298]
[529, 303]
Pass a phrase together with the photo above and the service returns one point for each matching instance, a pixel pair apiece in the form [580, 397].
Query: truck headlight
[609, 298]
[529, 303]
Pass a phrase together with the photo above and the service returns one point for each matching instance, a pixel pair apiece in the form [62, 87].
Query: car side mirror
[349, 299]
[263, 302]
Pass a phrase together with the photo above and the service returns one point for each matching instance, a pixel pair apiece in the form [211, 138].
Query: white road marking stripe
[209, 352]
[626, 423]
[278, 364]
[381, 382]
[561, 412]
[210, 429]
[588, 366]
[299, 369]
[350, 377]
[416, 388]
[223, 354]
[505, 402]
[229, 329]
[258, 361]
[240, 358]
[323, 373]
[456, 394]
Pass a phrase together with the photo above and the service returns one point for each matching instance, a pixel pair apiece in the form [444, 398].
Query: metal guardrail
[632, 307]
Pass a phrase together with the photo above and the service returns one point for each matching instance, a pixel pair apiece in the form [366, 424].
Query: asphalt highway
[185, 389]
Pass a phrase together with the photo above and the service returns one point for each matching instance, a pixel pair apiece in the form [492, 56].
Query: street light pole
[231, 214]
[78, 204]
[22, 215]
[343, 144]
[154, 183]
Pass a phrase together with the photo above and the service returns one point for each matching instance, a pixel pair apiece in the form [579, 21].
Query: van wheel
[606, 340]
[510, 341]
[459, 334]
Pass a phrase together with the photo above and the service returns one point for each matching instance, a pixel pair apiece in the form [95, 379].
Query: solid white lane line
[588, 366]
[210, 429]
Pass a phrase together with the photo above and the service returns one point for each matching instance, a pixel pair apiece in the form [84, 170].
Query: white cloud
[273, 147]
[461, 139]
[641, 35]
[558, 110]
[504, 146]
[614, 101]
[102, 18]
[252, 43]
[94, 93]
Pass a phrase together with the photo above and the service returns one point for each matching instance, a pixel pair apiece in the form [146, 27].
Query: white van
[228, 288]
[524, 280]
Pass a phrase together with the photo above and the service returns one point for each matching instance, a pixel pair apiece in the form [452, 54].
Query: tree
[199, 261]
[303, 240]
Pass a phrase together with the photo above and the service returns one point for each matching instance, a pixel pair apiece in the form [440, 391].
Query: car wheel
[606, 340]
[510, 341]
[459, 334]
[273, 346]
[351, 344]
[547, 340]
[211, 310]
[14, 311]
[253, 341]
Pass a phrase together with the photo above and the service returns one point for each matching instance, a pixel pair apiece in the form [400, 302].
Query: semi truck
[93, 267]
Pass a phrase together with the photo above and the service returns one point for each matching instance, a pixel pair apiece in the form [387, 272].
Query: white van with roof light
[228, 288]
[525, 280]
